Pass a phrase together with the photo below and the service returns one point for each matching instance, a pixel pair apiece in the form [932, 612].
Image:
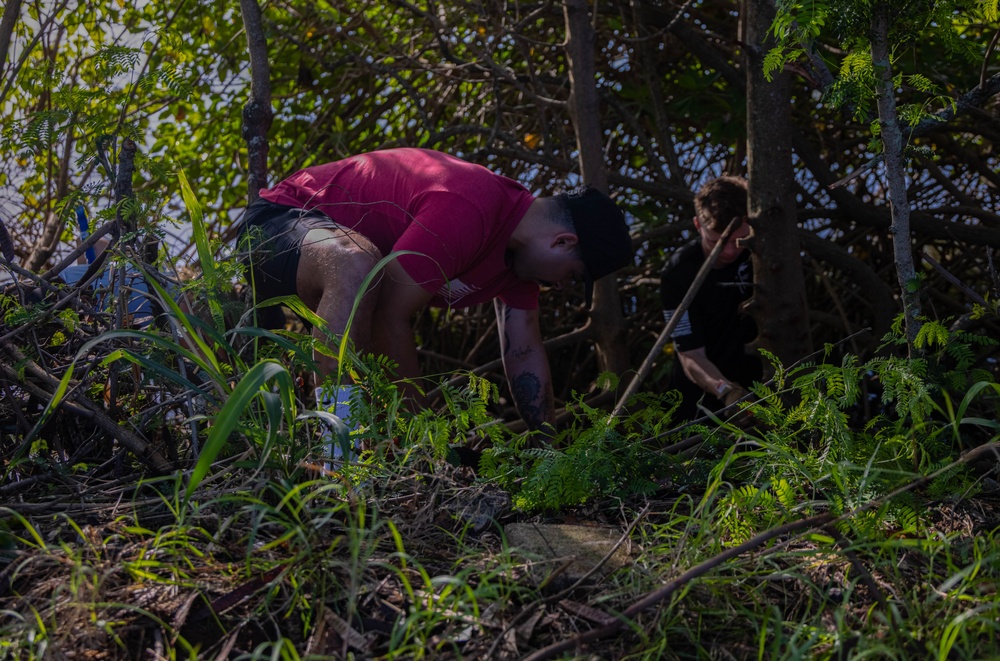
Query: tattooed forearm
[530, 398]
[506, 346]
[520, 352]
[526, 366]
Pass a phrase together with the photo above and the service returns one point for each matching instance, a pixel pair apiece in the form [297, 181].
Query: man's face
[731, 251]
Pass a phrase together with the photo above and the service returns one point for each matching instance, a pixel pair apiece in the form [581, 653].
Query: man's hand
[734, 394]
[742, 418]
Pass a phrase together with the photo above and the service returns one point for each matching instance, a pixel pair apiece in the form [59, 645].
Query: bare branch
[257, 114]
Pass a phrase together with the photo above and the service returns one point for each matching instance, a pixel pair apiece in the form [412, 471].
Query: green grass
[249, 549]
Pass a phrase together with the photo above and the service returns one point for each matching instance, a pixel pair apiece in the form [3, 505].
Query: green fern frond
[990, 9]
[962, 353]
[907, 517]
[596, 459]
[981, 340]
[979, 374]
[608, 381]
[543, 454]
[776, 58]
[932, 333]
[922, 83]
[42, 130]
[780, 374]
[799, 20]
[857, 65]
[485, 389]
[78, 98]
[954, 381]
[913, 113]
[171, 78]
[114, 60]
[852, 91]
[946, 485]
[785, 494]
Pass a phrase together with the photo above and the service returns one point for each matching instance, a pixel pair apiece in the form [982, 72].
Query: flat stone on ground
[551, 546]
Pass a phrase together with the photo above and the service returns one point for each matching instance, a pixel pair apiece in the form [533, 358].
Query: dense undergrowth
[255, 551]
[254, 548]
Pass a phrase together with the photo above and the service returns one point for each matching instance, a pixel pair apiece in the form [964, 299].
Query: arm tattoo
[522, 352]
[529, 398]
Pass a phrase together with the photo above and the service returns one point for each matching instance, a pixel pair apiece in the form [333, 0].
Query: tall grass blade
[210, 368]
[228, 418]
[156, 368]
[200, 236]
[291, 347]
[297, 306]
[185, 320]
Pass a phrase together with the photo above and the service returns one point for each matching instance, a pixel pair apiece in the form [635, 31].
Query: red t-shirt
[458, 216]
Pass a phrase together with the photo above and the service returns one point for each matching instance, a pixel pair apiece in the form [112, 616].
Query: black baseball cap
[605, 243]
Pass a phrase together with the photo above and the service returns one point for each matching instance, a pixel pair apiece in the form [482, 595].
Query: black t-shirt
[713, 320]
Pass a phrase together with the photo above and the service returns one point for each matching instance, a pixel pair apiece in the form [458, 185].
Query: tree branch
[974, 98]
[257, 114]
[94, 413]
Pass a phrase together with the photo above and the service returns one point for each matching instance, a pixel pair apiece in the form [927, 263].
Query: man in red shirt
[463, 235]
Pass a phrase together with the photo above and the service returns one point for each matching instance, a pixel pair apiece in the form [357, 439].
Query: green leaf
[205, 257]
[228, 418]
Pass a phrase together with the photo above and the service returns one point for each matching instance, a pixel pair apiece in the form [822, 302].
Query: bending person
[466, 235]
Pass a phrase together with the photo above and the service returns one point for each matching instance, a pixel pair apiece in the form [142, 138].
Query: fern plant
[815, 451]
[430, 432]
[597, 456]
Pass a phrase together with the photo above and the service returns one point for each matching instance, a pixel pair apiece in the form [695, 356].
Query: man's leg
[332, 267]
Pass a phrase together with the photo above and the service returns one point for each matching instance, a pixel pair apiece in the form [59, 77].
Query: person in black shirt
[710, 336]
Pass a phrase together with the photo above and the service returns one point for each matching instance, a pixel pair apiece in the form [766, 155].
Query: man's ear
[697, 224]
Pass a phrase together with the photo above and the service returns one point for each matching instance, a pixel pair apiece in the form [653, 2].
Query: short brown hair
[720, 200]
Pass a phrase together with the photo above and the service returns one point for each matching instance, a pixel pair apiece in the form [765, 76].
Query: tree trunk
[123, 187]
[47, 242]
[892, 153]
[11, 12]
[606, 315]
[779, 303]
[257, 114]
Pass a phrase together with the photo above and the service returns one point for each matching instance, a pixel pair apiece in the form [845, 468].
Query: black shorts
[270, 243]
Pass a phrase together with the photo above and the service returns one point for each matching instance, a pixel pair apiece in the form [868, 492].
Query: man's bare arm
[706, 374]
[400, 298]
[526, 366]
